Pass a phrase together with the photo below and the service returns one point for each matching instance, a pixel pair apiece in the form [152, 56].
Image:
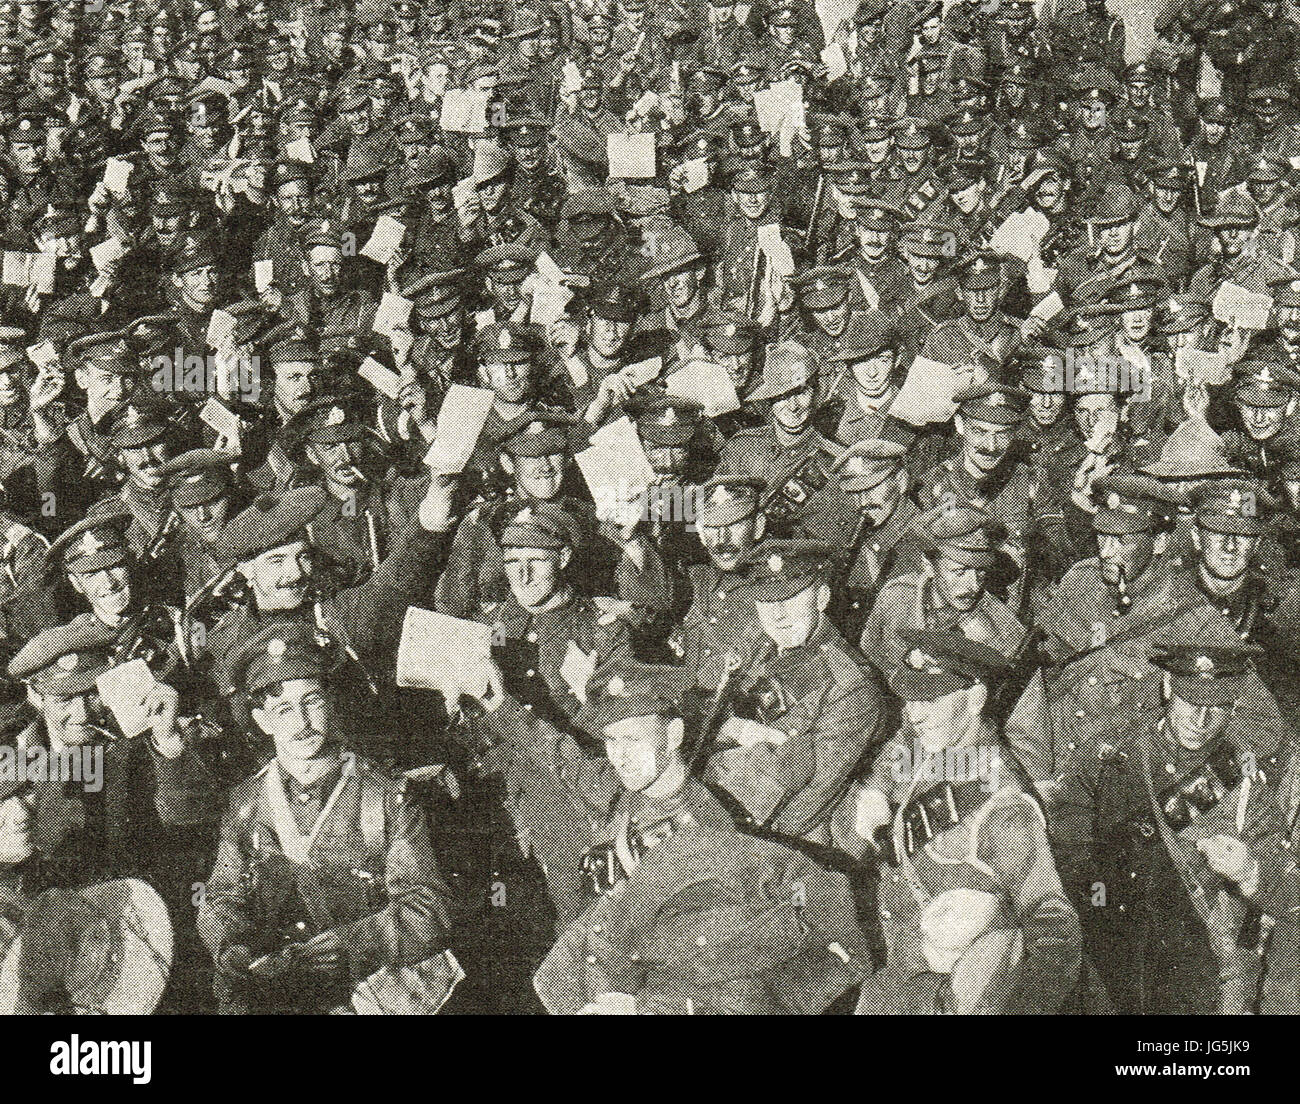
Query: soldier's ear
[566, 554]
[1196, 538]
[823, 597]
[1291, 406]
[1160, 543]
[1167, 686]
[508, 464]
[760, 525]
[676, 731]
[260, 718]
[960, 423]
[36, 699]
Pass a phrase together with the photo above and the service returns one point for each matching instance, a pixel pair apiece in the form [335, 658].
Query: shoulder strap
[373, 821]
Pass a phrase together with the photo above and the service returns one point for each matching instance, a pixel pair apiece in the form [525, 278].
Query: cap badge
[68, 662]
[775, 564]
[335, 416]
[1204, 666]
[90, 544]
[616, 687]
[275, 648]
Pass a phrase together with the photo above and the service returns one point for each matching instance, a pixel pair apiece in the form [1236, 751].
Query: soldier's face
[299, 718]
[492, 193]
[833, 321]
[1263, 192]
[948, 718]
[340, 461]
[447, 330]
[607, 336]
[1093, 114]
[728, 545]
[985, 443]
[279, 576]
[1262, 422]
[1116, 238]
[872, 242]
[930, 31]
[1233, 239]
[1089, 408]
[1136, 323]
[10, 384]
[1129, 553]
[325, 267]
[793, 412]
[980, 303]
[108, 591]
[739, 366]
[143, 465]
[1048, 193]
[1165, 199]
[1139, 93]
[879, 503]
[667, 460]
[198, 286]
[957, 585]
[103, 388]
[1195, 726]
[28, 157]
[207, 519]
[294, 201]
[76, 721]
[869, 33]
[753, 205]
[535, 575]
[512, 382]
[791, 622]
[877, 150]
[922, 268]
[681, 287]
[641, 749]
[1226, 556]
[528, 157]
[1045, 407]
[1288, 318]
[1214, 132]
[539, 476]
[293, 386]
[967, 146]
[1013, 95]
[873, 376]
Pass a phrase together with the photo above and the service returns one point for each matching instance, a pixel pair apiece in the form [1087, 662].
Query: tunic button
[706, 651]
[1079, 713]
[1072, 746]
[713, 620]
[884, 914]
[528, 707]
[591, 960]
[1092, 680]
[596, 929]
[531, 638]
[701, 942]
[1170, 768]
[531, 673]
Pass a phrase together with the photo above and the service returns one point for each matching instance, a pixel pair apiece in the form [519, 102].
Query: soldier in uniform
[1140, 810]
[1237, 257]
[1261, 436]
[325, 872]
[978, 830]
[981, 336]
[203, 491]
[1085, 275]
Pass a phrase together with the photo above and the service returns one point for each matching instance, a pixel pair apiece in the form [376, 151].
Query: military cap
[527, 132]
[624, 688]
[1192, 451]
[505, 343]
[727, 333]
[101, 63]
[1214, 110]
[351, 97]
[291, 348]
[1131, 128]
[57, 222]
[1042, 371]
[1264, 383]
[1095, 83]
[509, 263]
[756, 179]
[1021, 135]
[1136, 293]
[237, 57]
[869, 11]
[928, 240]
[286, 172]
[675, 252]
[1286, 293]
[27, 128]
[107, 351]
[780, 569]
[930, 9]
[325, 420]
[1267, 169]
[968, 122]
[208, 109]
[198, 476]
[789, 367]
[64, 661]
[747, 134]
[782, 15]
[543, 525]
[875, 84]
[138, 423]
[666, 420]
[852, 178]
[189, 51]
[1018, 73]
[1081, 329]
[912, 134]
[363, 164]
[1117, 204]
[962, 533]
[947, 661]
[873, 129]
[10, 51]
[589, 203]
[982, 271]
[830, 130]
[437, 166]
[546, 433]
[1234, 209]
[727, 499]
[46, 57]
[1168, 174]
[273, 521]
[527, 24]
[876, 214]
[707, 78]
[868, 334]
[823, 287]
[1180, 315]
[95, 543]
[867, 464]
[280, 653]
[1267, 95]
[321, 232]
[995, 403]
[614, 301]
[1235, 506]
[1205, 676]
[192, 253]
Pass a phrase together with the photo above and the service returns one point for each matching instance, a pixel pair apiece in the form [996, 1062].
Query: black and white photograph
[650, 508]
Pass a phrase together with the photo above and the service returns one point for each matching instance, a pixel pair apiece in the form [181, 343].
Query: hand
[390, 992]
[161, 707]
[1196, 399]
[1229, 857]
[627, 63]
[402, 341]
[563, 335]
[16, 843]
[1031, 329]
[870, 812]
[272, 299]
[46, 387]
[435, 509]
[323, 953]
[100, 199]
[32, 300]
[611, 1004]
[412, 396]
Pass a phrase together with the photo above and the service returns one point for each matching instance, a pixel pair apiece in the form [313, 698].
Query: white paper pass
[384, 380]
[42, 354]
[1038, 276]
[1048, 308]
[1209, 84]
[775, 249]
[577, 669]
[1236, 305]
[42, 272]
[300, 150]
[577, 371]
[1105, 426]
[646, 104]
[394, 312]
[835, 61]
[385, 239]
[224, 420]
[706, 383]
[107, 253]
[547, 269]
[617, 481]
[125, 689]
[927, 395]
[221, 329]
[631, 156]
[549, 303]
[464, 111]
[643, 371]
[1020, 234]
[117, 172]
[263, 275]
[1210, 369]
[460, 421]
[616, 435]
[572, 76]
[435, 648]
[695, 174]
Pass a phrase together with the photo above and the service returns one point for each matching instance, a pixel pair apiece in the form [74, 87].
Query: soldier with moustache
[880, 274]
[1262, 437]
[1238, 257]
